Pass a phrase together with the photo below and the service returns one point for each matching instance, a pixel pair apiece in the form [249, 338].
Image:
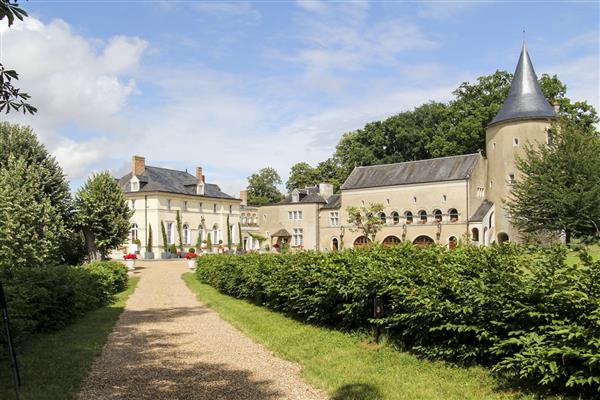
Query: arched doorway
[391, 241]
[361, 241]
[502, 238]
[475, 235]
[335, 244]
[452, 242]
[423, 241]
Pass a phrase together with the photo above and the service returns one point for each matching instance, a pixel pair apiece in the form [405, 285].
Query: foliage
[366, 219]
[302, 175]
[102, 213]
[229, 226]
[31, 228]
[560, 190]
[149, 245]
[173, 249]
[240, 245]
[10, 96]
[179, 230]
[262, 187]
[46, 298]
[524, 312]
[164, 236]
[199, 240]
[209, 245]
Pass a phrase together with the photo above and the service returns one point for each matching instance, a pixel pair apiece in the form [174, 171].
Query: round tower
[523, 119]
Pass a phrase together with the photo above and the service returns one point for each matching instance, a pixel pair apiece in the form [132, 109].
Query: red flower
[191, 255]
[130, 256]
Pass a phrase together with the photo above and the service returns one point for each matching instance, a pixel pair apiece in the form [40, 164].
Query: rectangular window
[298, 237]
[200, 206]
[299, 214]
[135, 186]
[185, 206]
[290, 215]
[334, 218]
[168, 204]
[511, 179]
[230, 209]
[170, 233]
[133, 204]
[515, 142]
[214, 208]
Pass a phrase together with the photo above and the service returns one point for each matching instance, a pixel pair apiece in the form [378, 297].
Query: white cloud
[581, 77]
[312, 5]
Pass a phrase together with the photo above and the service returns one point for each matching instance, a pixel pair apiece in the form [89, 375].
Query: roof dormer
[134, 184]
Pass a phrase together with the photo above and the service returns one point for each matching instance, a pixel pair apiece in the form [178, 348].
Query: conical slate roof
[525, 99]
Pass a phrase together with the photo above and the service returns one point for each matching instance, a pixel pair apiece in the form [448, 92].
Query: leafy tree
[560, 190]
[179, 233]
[301, 175]
[31, 228]
[330, 171]
[208, 242]
[164, 236]
[366, 219]
[262, 187]
[10, 96]
[102, 214]
[228, 234]
[149, 241]
[240, 245]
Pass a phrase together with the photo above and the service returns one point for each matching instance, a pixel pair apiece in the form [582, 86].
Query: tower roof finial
[525, 98]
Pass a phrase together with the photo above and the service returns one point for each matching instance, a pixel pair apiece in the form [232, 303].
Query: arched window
[335, 244]
[134, 232]
[215, 234]
[254, 219]
[408, 216]
[422, 217]
[395, 218]
[423, 241]
[453, 215]
[437, 216]
[361, 241]
[452, 242]
[391, 241]
[475, 234]
[187, 234]
[383, 217]
[502, 238]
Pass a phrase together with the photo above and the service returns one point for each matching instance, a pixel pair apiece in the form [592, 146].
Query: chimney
[326, 190]
[138, 165]
[244, 197]
[199, 175]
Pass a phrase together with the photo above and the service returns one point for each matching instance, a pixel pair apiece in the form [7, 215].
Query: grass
[54, 365]
[347, 365]
[593, 250]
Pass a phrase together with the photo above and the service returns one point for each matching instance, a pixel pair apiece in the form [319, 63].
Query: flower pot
[149, 255]
[191, 263]
[130, 264]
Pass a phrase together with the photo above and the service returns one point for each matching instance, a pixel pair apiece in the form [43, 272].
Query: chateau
[439, 200]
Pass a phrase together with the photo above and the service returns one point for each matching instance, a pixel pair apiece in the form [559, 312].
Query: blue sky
[236, 86]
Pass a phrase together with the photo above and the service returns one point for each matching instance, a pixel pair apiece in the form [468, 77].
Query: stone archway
[391, 241]
[502, 238]
[423, 241]
[361, 241]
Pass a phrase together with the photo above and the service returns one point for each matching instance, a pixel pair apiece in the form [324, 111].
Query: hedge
[523, 312]
[45, 299]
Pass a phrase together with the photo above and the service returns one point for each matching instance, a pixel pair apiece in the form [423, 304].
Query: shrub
[44, 299]
[522, 311]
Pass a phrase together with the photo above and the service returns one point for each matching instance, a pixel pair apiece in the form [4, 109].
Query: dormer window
[200, 189]
[135, 184]
[295, 196]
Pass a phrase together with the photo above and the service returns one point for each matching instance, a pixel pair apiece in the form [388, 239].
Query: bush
[522, 311]
[44, 299]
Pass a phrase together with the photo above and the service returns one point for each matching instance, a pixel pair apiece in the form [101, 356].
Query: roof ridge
[171, 169]
[416, 161]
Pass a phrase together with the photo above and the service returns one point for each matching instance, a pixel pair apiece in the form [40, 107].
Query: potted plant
[130, 260]
[191, 258]
[149, 254]
[165, 253]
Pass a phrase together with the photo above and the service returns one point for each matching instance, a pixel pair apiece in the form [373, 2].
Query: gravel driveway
[166, 345]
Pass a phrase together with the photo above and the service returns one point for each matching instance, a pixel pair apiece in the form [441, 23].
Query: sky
[238, 86]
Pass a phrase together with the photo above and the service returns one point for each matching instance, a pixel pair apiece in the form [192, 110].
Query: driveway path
[166, 345]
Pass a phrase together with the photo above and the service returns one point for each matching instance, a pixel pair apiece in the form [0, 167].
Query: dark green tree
[149, 245]
[240, 245]
[208, 243]
[560, 188]
[179, 230]
[102, 214]
[302, 175]
[164, 236]
[262, 187]
[228, 234]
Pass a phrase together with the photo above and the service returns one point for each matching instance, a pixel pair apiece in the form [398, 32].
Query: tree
[262, 187]
[560, 188]
[31, 228]
[366, 219]
[228, 234]
[240, 245]
[301, 175]
[149, 241]
[164, 236]
[208, 242]
[102, 214]
[179, 233]
[10, 96]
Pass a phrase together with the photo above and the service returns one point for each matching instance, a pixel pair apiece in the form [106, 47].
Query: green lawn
[347, 365]
[53, 365]
[594, 250]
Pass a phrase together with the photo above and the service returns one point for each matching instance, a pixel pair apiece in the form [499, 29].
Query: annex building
[440, 200]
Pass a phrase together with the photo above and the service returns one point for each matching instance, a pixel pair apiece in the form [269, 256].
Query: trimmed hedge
[523, 312]
[45, 299]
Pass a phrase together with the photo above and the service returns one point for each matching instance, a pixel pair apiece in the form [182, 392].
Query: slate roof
[412, 172]
[481, 211]
[333, 203]
[525, 98]
[155, 179]
[281, 233]
[307, 195]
